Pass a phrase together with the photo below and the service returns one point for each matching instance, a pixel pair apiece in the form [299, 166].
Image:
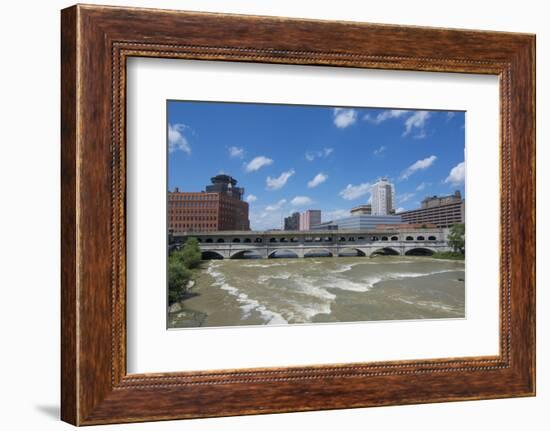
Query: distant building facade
[360, 222]
[383, 198]
[362, 210]
[220, 207]
[437, 201]
[292, 222]
[441, 211]
[310, 218]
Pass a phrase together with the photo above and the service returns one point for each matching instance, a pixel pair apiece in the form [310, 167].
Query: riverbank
[450, 255]
[346, 289]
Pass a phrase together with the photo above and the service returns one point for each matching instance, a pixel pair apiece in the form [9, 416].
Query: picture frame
[96, 42]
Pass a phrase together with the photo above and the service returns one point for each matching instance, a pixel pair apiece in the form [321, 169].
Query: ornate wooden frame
[95, 43]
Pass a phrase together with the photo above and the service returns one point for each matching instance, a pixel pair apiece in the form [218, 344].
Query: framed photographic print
[268, 215]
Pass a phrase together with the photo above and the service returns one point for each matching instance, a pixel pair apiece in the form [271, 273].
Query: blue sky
[292, 158]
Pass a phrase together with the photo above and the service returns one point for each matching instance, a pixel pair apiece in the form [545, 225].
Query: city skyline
[293, 158]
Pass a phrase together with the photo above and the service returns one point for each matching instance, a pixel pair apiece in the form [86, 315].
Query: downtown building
[220, 207]
[310, 218]
[383, 198]
[359, 222]
[441, 211]
[292, 222]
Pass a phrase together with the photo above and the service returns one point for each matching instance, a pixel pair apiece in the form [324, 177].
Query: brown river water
[322, 290]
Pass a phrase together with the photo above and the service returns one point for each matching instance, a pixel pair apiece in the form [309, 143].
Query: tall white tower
[383, 197]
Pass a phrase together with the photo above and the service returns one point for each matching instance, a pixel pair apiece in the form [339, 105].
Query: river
[322, 290]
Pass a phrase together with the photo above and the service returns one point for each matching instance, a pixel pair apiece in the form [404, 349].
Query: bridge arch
[394, 238]
[419, 251]
[432, 238]
[275, 254]
[209, 255]
[348, 251]
[246, 254]
[420, 238]
[386, 251]
[318, 252]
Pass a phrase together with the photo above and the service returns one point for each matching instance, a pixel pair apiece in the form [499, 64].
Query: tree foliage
[180, 264]
[178, 277]
[456, 238]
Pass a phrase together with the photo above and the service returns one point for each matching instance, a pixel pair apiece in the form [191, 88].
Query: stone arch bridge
[269, 244]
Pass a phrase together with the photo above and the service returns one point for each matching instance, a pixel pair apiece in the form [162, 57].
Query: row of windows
[431, 213]
[193, 197]
[201, 204]
[317, 239]
[192, 218]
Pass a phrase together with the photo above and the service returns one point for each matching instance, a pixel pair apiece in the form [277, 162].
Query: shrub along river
[312, 290]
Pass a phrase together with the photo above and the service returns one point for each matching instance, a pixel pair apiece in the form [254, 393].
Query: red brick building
[220, 207]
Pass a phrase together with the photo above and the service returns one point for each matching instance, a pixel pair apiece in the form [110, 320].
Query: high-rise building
[362, 210]
[310, 218]
[219, 207]
[292, 222]
[360, 222]
[442, 211]
[383, 197]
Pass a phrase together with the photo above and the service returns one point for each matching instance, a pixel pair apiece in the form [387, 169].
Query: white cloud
[413, 120]
[236, 152]
[265, 220]
[404, 197]
[334, 214]
[352, 192]
[385, 115]
[277, 206]
[300, 201]
[457, 174]
[278, 182]
[399, 210]
[416, 121]
[257, 163]
[422, 186]
[318, 179]
[344, 117]
[176, 138]
[251, 198]
[379, 150]
[417, 166]
[312, 155]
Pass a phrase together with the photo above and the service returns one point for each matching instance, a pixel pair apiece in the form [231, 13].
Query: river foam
[246, 303]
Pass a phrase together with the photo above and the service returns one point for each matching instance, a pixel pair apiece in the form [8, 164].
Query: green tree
[178, 277]
[191, 253]
[180, 264]
[456, 238]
